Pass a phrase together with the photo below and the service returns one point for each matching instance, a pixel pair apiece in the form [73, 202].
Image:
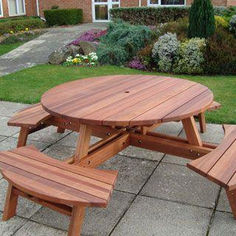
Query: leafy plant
[201, 19]
[219, 20]
[149, 15]
[122, 38]
[232, 25]
[220, 56]
[20, 25]
[63, 16]
[165, 51]
[191, 56]
[136, 64]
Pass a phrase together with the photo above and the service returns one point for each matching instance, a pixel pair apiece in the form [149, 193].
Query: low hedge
[149, 15]
[156, 15]
[20, 24]
[63, 16]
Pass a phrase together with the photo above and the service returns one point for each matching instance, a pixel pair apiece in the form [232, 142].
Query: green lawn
[28, 85]
[5, 48]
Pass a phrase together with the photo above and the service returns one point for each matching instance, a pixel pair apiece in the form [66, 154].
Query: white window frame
[160, 5]
[17, 8]
[109, 3]
[1, 15]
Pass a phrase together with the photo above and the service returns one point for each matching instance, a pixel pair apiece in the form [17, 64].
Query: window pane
[154, 1]
[101, 12]
[21, 9]
[172, 2]
[0, 7]
[12, 7]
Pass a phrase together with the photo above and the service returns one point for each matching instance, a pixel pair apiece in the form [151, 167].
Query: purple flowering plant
[136, 64]
[90, 36]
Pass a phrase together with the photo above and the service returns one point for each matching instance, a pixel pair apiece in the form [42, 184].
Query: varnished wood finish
[36, 174]
[191, 131]
[219, 166]
[23, 135]
[10, 203]
[127, 100]
[31, 117]
[202, 122]
[51, 183]
[76, 221]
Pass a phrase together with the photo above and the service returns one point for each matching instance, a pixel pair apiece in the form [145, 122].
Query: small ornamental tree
[201, 19]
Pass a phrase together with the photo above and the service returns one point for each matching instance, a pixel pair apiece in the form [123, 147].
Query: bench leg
[202, 122]
[60, 130]
[24, 132]
[76, 221]
[232, 201]
[10, 204]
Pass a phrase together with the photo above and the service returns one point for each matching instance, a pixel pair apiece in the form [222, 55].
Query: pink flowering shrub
[90, 36]
[136, 64]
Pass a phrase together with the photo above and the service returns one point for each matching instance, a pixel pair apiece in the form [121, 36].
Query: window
[1, 10]
[166, 2]
[16, 7]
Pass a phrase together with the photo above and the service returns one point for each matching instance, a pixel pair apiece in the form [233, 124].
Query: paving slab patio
[155, 193]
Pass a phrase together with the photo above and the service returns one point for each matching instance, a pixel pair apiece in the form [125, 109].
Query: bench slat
[108, 177]
[225, 167]
[35, 173]
[214, 106]
[31, 116]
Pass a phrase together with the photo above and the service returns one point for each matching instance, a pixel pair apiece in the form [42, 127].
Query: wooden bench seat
[66, 188]
[219, 165]
[30, 120]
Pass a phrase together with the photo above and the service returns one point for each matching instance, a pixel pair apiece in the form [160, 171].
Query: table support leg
[191, 131]
[82, 148]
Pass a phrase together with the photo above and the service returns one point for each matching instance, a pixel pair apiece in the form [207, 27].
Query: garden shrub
[149, 15]
[179, 27]
[145, 56]
[136, 64]
[219, 20]
[113, 55]
[232, 25]
[220, 11]
[63, 16]
[20, 25]
[123, 37]
[165, 51]
[201, 19]
[220, 56]
[191, 56]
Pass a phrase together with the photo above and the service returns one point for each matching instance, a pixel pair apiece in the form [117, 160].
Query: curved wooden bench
[219, 165]
[30, 120]
[62, 187]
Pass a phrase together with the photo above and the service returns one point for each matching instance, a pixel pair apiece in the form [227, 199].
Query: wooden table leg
[191, 131]
[82, 148]
[76, 221]
[10, 203]
[232, 201]
[202, 122]
[24, 132]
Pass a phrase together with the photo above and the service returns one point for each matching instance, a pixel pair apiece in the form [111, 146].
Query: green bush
[232, 25]
[63, 16]
[165, 51]
[220, 56]
[220, 20]
[179, 27]
[149, 15]
[123, 37]
[191, 57]
[19, 25]
[201, 19]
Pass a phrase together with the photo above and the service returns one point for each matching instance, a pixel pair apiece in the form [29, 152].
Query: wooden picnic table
[127, 108]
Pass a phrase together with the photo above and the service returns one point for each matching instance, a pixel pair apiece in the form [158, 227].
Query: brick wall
[30, 8]
[85, 5]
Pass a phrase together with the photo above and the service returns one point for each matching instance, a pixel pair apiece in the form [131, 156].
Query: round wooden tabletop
[127, 100]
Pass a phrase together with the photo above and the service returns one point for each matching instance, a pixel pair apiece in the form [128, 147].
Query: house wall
[86, 5]
[30, 8]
